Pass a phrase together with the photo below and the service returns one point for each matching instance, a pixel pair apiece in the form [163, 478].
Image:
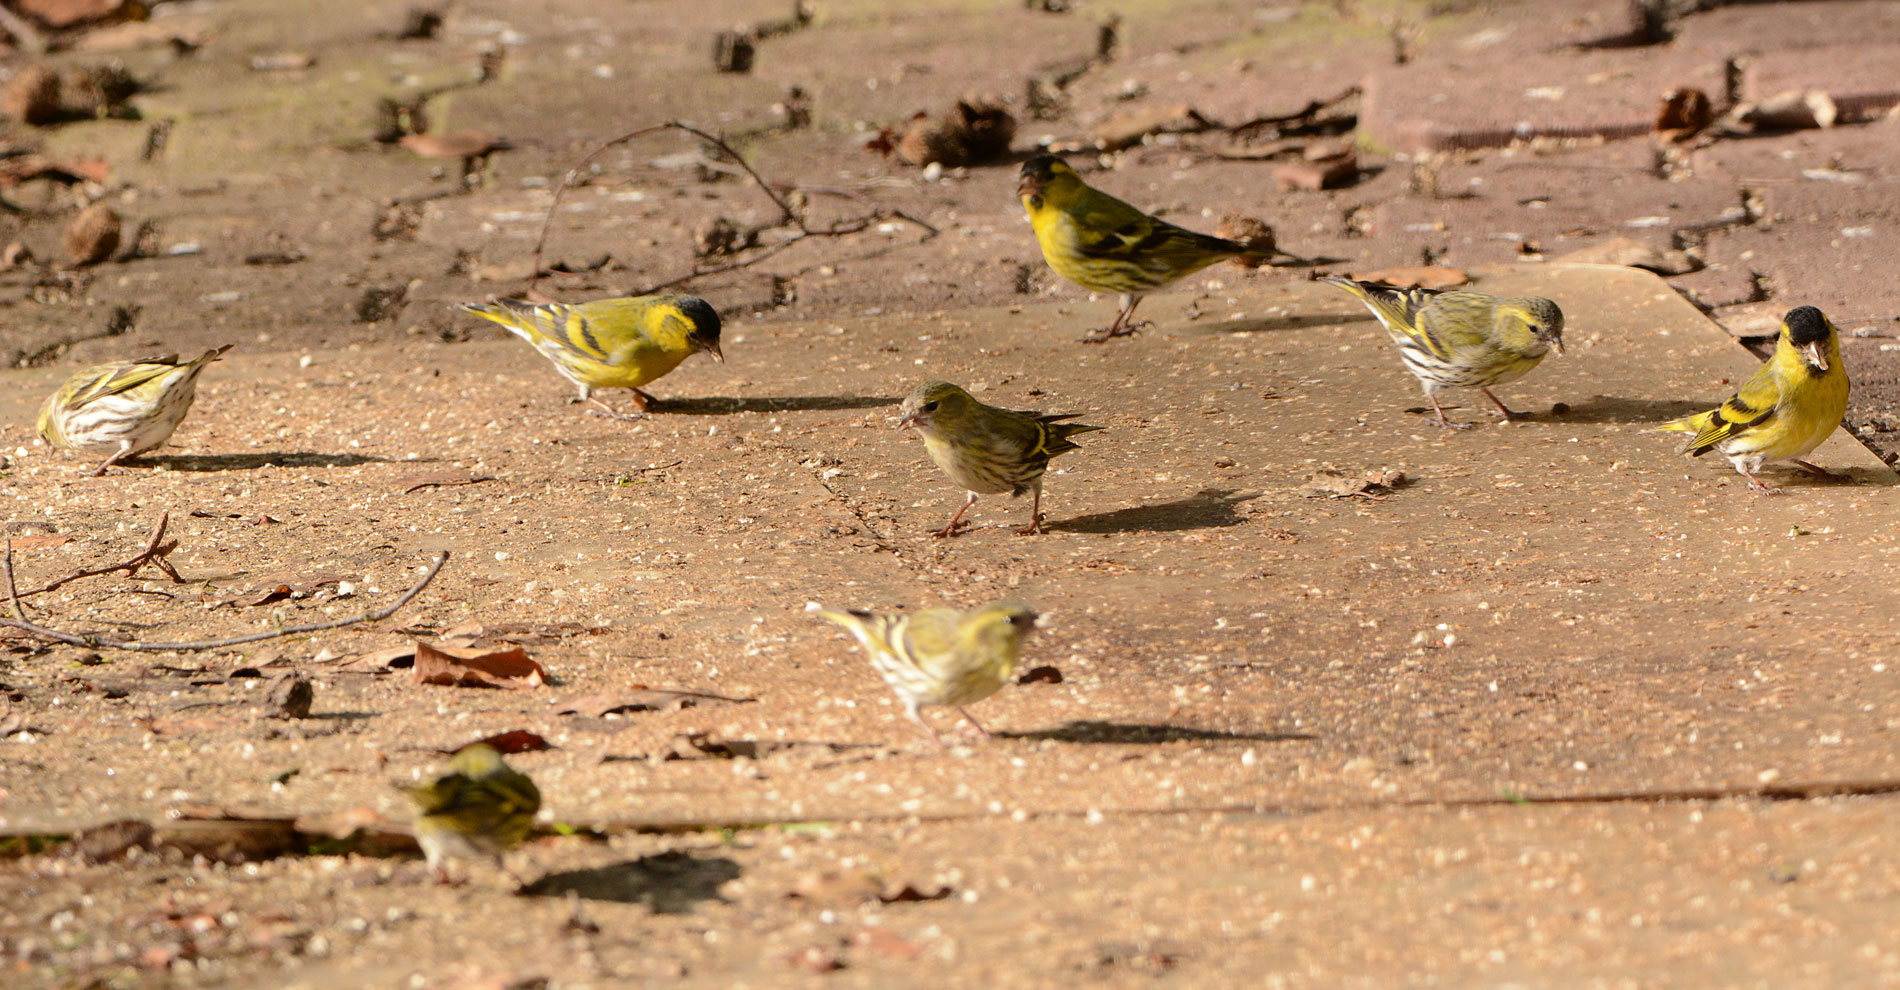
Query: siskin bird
[1791, 404]
[131, 406]
[480, 808]
[987, 450]
[612, 343]
[940, 656]
[1463, 339]
[1105, 245]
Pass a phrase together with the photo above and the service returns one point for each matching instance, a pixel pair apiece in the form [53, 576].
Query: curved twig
[788, 216]
[95, 642]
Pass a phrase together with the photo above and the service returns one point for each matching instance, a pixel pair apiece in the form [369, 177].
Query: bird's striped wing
[116, 381]
[1144, 237]
[1410, 312]
[1052, 434]
[1741, 413]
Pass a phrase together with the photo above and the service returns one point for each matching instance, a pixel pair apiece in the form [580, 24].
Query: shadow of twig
[1148, 734]
[249, 462]
[1616, 409]
[1209, 508]
[1291, 321]
[726, 405]
[668, 882]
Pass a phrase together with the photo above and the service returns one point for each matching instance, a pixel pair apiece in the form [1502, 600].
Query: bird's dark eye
[930, 407]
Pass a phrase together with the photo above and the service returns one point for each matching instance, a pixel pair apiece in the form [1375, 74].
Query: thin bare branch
[154, 553]
[13, 590]
[788, 216]
[95, 642]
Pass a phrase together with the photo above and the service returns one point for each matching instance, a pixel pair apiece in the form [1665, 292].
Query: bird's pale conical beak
[1815, 354]
[1557, 343]
[718, 355]
[1028, 186]
[908, 419]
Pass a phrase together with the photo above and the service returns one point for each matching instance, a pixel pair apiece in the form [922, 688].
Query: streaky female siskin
[612, 343]
[986, 450]
[940, 656]
[1785, 409]
[1463, 339]
[1105, 245]
[130, 406]
[479, 809]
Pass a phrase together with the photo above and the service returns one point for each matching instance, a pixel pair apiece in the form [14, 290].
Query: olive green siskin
[1105, 245]
[940, 656]
[1463, 339]
[1791, 404]
[986, 450]
[129, 406]
[612, 343]
[479, 809]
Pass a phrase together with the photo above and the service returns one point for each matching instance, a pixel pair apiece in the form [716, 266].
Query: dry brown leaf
[1632, 253]
[976, 131]
[392, 658]
[1328, 172]
[111, 840]
[39, 541]
[1333, 483]
[67, 13]
[284, 584]
[1041, 675]
[907, 892]
[1127, 129]
[1251, 231]
[229, 839]
[880, 939]
[467, 629]
[31, 96]
[836, 888]
[1416, 277]
[454, 144]
[475, 668]
[604, 703]
[92, 236]
[1683, 113]
[505, 743]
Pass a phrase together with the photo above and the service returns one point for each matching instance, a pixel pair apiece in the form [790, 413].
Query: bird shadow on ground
[1792, 479]
[1616, 409]
[1094, 731]
[1291, 321]
[668, 883]
[249, 462]
[1209, 508]
[725, 405]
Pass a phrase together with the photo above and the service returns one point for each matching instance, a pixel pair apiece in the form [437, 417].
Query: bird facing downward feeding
[940, 656]
[987, 450]
[612, 343]
[1105, 245]
[1792, 403]
[479, 809]
[1463, 339]
[131, 406]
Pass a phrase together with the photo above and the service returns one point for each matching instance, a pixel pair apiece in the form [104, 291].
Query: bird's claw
[1100, 334]
[953, 529]
[1034, 528]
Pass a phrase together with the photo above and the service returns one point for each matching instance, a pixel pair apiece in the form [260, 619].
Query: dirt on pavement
[1551, 704]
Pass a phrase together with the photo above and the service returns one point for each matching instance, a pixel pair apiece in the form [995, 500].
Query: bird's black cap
[705, 332]
[1805, 325]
